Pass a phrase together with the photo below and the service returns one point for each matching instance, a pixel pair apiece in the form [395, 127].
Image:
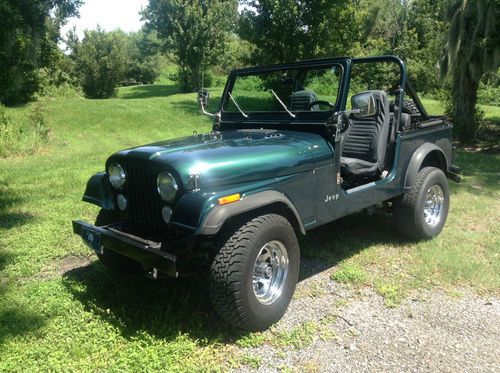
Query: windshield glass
[298, 90]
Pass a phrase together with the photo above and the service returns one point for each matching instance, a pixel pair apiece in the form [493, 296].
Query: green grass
[435, 107]
[61, 310]
[22, 132]
[350, 274]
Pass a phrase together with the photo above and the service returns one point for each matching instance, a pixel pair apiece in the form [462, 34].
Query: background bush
[101, 59]
[22, 132]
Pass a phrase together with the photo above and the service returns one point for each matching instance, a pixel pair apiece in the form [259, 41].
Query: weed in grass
[341, 302]
[315, 289]
[252, 361]
[350, 274]
[252, 339]
[299, 337]
[455, 293]
[327, 334]
[390, 292]
[285, 369]
[329, 318]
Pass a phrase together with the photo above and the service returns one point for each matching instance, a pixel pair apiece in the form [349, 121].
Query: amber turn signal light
[229, 199]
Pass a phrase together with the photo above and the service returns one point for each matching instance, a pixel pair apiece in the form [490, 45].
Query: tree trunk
[464, 98]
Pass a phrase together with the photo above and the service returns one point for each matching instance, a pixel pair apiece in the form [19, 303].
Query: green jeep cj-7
[293, 147]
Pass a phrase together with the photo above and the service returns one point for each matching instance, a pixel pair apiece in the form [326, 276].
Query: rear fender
[99, 191]
[426, 153]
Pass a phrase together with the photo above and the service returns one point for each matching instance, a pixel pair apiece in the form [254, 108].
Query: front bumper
[143, 251]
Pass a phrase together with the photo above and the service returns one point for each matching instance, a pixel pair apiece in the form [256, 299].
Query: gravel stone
[430, 332]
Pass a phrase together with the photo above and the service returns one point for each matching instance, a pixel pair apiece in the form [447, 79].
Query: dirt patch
[73, 261]
[61, 266]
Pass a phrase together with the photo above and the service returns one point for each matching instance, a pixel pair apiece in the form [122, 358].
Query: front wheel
[254, 273]
[422, 211]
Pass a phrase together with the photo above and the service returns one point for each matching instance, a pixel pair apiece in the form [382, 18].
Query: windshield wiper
[236, 104]
[282, 104]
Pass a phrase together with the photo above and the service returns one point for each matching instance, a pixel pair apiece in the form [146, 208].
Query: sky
[109, 14]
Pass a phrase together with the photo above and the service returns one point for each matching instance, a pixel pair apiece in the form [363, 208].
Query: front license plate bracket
[92, 239]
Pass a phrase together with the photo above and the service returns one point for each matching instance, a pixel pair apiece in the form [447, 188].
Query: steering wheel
[319, 102]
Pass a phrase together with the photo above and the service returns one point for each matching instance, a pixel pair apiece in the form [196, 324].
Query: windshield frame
[344, 64]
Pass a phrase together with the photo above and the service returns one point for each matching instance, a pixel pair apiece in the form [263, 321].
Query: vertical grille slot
[144, 203]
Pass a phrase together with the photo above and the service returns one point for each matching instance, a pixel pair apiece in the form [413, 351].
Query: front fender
[99, 191]
[202, 214]
[214, 221]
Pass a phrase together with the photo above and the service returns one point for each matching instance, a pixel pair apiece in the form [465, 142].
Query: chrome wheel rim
[269, 272]
[433, 207]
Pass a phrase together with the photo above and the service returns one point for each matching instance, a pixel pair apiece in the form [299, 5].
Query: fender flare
[99, 191]
[418, 157]
[216, 218]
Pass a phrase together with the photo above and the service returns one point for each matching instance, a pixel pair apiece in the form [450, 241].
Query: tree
[144, 60]
[427, 19]
[196, 31]
[101, 61]
[472, 49]
[290, 30]
[28, 41]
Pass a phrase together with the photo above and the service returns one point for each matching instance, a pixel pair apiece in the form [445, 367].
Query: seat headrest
[380, 96]
[381, 101]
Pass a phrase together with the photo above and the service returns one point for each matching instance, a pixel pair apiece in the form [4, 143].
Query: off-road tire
[409, 208]
[231, 273]
[112, 260]
[410, 107]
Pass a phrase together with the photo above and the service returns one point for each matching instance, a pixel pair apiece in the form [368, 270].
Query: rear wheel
[254, 273]
[422, 211]
[112, 260]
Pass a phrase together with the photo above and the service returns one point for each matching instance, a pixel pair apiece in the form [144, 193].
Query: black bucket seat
[300, 101]
[365, 141]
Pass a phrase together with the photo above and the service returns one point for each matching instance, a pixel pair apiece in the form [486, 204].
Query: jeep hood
[227, 157]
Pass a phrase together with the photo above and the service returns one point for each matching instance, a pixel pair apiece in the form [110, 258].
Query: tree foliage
[196, 31]
[472, 49]
[28, 41]
[426, 19]
[290, 30]
[101, 59]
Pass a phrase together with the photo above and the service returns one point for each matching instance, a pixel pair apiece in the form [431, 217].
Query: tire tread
[227, 269]
[407, 211]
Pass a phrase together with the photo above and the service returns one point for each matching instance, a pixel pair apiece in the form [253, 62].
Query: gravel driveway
[432, 332]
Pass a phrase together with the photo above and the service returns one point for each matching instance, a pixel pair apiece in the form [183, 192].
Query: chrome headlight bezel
[167, 186]
[117, 176]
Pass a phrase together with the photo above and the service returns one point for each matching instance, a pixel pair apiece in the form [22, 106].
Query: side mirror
[364, 105]
[203, 96]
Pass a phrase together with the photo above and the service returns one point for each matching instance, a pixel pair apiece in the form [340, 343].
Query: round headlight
[116, 175]
[167, 186]
[121, 200]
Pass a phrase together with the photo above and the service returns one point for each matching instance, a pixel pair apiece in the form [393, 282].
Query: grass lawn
[61, 310]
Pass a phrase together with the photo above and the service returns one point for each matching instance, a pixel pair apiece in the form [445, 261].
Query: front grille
[144, 205]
